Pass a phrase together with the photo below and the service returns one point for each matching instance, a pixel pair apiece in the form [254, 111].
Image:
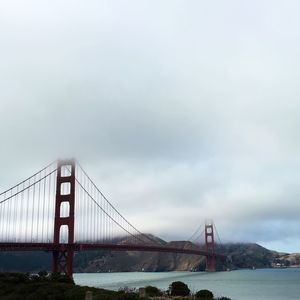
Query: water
[263, 284]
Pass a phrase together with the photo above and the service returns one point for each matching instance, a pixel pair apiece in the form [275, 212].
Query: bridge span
[60, 210]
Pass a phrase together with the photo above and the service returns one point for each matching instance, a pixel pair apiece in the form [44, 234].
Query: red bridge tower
[210, 248]
[63, 254]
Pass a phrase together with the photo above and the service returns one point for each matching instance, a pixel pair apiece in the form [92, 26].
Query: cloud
[180, 111]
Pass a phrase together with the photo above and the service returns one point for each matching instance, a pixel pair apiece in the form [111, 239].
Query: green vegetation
[18, 286]
[204, 295]
[153, 291]
[178, 288]
[44, 286]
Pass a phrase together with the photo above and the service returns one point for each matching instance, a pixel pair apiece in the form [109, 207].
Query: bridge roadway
[111, 247]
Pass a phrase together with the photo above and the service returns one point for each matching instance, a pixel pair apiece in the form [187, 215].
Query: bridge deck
[111, 247]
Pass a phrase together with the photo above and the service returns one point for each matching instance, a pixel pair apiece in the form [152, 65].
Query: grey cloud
[181, 111]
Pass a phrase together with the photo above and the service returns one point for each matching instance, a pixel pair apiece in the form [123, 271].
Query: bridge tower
[210, 248]
[62, 258]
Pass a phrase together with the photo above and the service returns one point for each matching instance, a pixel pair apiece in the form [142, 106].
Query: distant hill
[240, 255]
[287, 259]
[247, 255]
[141, 261]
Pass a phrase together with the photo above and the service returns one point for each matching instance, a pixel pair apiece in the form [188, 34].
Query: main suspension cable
[29, 186]
[20, 183]
[112, 206]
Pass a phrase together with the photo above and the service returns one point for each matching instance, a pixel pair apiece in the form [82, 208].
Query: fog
[179, 110]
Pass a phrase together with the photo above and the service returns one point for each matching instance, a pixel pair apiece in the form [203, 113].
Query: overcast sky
[179, 110]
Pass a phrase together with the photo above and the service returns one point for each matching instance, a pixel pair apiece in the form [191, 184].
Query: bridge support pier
[63, 261]
[210, 248]
[62, 257]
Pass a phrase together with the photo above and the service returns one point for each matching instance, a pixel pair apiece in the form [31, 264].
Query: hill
[240, 255]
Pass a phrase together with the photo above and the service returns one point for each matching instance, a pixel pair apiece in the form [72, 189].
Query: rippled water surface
[264, 284]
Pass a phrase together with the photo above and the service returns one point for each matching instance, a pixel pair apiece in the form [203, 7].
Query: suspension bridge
[61, 210]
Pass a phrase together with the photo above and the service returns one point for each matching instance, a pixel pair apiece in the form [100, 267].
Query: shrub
[178, 288]
[126, 296]
[204, 295]
[152, 291]
[57, 277]
[224, 298]
[43, 274]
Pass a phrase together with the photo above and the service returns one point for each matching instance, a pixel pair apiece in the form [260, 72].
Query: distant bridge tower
[65, 193]
[210, 248]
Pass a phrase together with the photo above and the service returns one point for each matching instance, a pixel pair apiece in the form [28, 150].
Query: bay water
[260, 284]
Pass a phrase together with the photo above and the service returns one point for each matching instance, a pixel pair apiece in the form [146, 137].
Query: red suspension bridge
[60, 209]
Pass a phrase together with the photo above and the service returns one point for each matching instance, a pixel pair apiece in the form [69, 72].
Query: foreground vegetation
[18, 286]
[43, 286]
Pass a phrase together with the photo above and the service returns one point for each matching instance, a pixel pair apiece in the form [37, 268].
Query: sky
[180, 111]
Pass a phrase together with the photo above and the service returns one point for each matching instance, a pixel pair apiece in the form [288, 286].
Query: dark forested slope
[240, 255]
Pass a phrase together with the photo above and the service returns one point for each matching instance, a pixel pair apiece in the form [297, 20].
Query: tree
[204, 295]
[152, 291]
[178, 288]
